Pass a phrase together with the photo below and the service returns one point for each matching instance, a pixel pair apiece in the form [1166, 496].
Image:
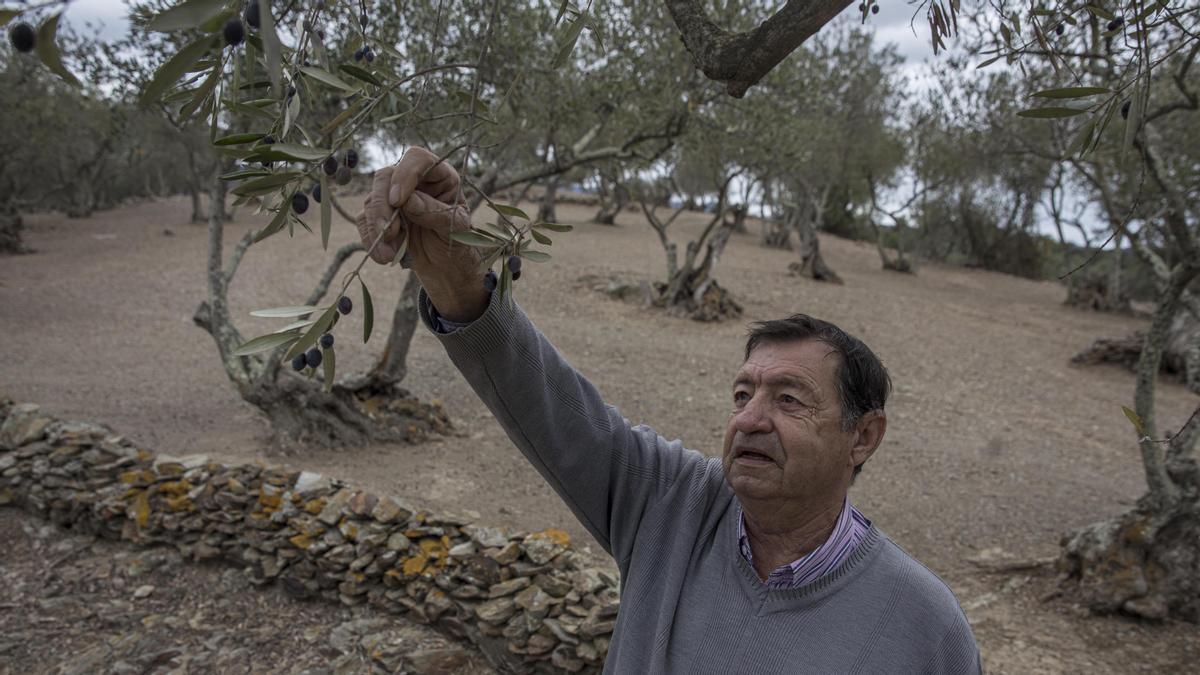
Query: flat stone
[507, 555]
[508, 587]
[553, 584]
[23, 426]
[496, 611]
[398, 542]
[309, 482]
[490, 537]
[335, 507]
[362, 503]
[386, 510]
[143, 592]
[462, 550]
[540, 644]
[445, 661]
[542, 547]
[535, 601]
[587, 580]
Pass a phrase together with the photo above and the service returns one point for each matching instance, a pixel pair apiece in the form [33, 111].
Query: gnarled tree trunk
[613, 198]
[11, 241]
[1146, 562]
[691, 288]
[811, 264]
[547, 211]
[302, 411]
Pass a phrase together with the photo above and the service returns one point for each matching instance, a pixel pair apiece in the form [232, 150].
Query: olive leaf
[368, 311]
[328, 363]
[510, 211]
[1136, 419]
[310, 337]
[47, 50]
[170, 72]
[185, 15]
[264, 343]
[285, 312]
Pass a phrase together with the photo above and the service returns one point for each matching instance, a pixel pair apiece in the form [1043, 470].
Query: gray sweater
[690, 603]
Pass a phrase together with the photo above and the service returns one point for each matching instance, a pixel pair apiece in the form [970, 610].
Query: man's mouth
[752, 457]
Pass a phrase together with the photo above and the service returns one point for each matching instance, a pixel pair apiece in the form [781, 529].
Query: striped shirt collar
[849, 531]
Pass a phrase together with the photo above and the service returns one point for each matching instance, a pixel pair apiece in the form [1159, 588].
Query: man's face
[784, 440]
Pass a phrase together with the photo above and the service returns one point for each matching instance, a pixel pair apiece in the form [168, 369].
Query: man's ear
[868, 435]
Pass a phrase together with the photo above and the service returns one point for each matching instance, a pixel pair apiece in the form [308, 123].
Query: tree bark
[740, 60]
[300, 410]
[811, 264]
[11, 226]
[547, 211]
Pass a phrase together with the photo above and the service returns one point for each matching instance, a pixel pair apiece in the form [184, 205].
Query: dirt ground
[993, 439]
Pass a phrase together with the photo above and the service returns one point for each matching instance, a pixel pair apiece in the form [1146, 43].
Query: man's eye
[740, 396]
[791, 400]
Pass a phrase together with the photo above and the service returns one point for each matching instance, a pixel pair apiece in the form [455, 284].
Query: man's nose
[753, 417]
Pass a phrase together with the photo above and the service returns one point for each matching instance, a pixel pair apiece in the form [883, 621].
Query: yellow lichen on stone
[393, 573]
[557, 536]
[180, 503]
[435, 548]
[301, 541]
[315, 506]
[137, 476]
[415, 565]
[270, 500]
[141, 509]
[175, 487]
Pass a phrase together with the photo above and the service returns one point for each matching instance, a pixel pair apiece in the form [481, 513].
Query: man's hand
[420, 197]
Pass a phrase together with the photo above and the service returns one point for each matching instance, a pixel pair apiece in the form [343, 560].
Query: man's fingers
[368, 231]
[377, 209]
[423, 210]
[420, 168]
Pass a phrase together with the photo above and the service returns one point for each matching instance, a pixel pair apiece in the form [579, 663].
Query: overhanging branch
[740, 60]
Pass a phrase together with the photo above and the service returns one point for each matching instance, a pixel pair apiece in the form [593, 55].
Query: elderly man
[754, 563]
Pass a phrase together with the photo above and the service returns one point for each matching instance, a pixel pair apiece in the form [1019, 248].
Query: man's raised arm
[608, 472]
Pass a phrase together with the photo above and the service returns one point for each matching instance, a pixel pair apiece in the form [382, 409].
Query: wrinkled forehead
[812, 363]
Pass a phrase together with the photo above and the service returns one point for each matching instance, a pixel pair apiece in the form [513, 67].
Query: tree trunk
[547, 211]
[776, 234]
[612, 202]
[811, 264]
[691, 288]
[738, 215]
[11, 241]
[1147, 562]
[392, 366]
[300, 410]
[197, 207]
[1180, 357]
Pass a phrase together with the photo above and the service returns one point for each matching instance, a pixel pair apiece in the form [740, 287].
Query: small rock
[507, 555]
[309, 482]
[542, 547]
[508, 587]
[489, 537]
[437, 661]
[388, 511]
[496, 611]
[143, 591]
[398, 542]
[462, 550]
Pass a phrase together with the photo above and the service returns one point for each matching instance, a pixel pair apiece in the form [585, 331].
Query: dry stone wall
[528, 601]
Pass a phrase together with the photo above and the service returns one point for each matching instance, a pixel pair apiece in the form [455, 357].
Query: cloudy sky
[891, 24]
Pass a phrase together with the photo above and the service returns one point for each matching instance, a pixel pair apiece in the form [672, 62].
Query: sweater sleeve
[957, 652]
[608, 472]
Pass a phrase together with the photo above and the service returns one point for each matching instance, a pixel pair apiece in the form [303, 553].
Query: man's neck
[779, 537]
